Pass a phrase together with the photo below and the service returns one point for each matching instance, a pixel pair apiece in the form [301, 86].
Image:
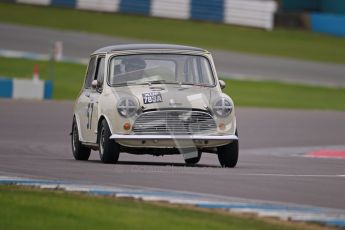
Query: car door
[94, 98]
[83, 107]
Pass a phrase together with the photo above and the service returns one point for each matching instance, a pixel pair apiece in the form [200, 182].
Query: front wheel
[228, 154]
[109, 150]
[80, 152]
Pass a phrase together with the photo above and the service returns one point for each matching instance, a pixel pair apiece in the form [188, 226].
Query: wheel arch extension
[99, 123]
[77, 119]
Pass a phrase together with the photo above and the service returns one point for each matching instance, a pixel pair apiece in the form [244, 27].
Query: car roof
[124, 47]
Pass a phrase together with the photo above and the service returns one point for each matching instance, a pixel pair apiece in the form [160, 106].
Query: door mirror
[222, 84]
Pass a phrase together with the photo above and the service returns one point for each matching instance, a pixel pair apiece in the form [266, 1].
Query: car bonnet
[163, 96]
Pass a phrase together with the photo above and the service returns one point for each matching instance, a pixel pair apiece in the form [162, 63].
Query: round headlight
[222, 107]
[127, 107]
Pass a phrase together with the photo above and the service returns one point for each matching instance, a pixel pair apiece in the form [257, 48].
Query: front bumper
[170, 141]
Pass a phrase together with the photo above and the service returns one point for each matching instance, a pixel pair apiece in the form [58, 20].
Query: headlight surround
[222, 107]
[127, 107]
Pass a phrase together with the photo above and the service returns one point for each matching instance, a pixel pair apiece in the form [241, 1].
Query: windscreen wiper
[156, 82]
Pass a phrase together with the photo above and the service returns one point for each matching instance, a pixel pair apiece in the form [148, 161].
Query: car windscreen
[160, 68]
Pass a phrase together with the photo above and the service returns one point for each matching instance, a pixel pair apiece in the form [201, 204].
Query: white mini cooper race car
[154, 99]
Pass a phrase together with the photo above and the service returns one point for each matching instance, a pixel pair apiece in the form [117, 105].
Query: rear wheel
[80, 152]
[109, 150]
[194, 160]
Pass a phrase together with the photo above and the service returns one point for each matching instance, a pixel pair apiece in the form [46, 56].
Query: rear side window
[90, 73]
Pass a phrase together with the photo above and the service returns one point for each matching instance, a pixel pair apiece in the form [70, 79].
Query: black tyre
[80, 152]
[194, 160]
[228, 154]
[109, 150]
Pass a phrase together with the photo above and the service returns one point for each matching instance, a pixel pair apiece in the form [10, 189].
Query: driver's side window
[90, 73]
[100, 71]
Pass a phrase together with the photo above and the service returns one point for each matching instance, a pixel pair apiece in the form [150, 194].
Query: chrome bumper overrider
[172, 137]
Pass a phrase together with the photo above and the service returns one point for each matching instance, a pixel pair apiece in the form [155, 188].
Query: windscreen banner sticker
[152, 97]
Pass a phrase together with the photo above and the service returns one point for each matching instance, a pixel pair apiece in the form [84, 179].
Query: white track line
[287, 175]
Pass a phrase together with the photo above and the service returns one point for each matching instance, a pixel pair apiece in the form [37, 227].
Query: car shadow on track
[146, 163]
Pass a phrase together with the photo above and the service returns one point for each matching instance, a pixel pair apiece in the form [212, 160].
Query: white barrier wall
[253, 13]
[28, 89]
[99, 5]
[178, 9]
[25, 88]
[35, 2]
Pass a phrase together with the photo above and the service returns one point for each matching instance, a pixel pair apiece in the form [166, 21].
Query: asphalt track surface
[236, 65]
[34, 143]
[34, 140]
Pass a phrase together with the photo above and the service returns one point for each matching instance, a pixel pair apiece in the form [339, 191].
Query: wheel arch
[99, 123]
[77, 119]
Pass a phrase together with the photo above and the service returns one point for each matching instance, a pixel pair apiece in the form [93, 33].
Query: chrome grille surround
[178, 122]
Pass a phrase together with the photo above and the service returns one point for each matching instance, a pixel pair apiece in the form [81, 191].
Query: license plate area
[152, 97]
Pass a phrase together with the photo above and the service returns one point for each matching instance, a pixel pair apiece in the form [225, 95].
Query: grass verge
[280, 42]
[68, 79]
[270, 94]
[29, 208]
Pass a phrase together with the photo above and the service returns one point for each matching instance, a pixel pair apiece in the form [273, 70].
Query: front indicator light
[221, 126]
[127, 126]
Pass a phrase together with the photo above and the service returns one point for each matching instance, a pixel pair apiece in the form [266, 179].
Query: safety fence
[253, 13]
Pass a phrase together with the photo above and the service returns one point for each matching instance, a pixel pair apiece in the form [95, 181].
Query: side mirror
[95, 84]
[222, 84]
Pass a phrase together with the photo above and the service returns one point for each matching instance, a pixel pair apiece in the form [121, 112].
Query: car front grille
[177, 122]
